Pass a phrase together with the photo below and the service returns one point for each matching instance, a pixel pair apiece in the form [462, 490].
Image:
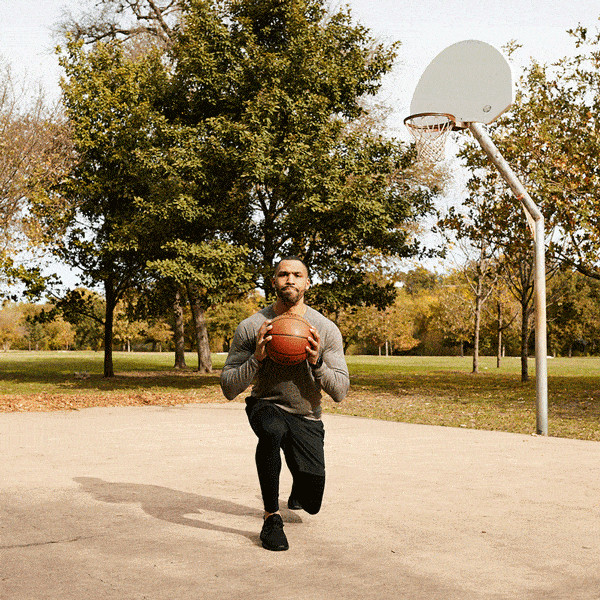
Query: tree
[178, 330]
[185, 224]
[475, 239]
[277, 91]
[163, 300]
[159, 333]
[60, 334]
[391, 327]
[127, 330]
[135, 21]
[10, 327]
[574, 312]
[211, 272]
[503, 314]
[422, 288]
[108, 101]
[85, 310]
[557, 121]
[418, 280]
[253, 159]
[32, 140]
[452, 313]
[33, 330]
[223, 318]
[481, 279]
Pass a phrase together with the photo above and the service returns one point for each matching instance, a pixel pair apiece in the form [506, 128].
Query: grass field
[430, 390]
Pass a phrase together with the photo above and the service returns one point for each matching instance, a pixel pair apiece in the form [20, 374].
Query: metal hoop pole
[536, 223]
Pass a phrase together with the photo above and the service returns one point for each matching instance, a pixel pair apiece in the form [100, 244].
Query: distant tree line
[431, 314]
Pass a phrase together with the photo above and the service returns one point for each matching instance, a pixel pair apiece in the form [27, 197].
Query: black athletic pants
[302, 443]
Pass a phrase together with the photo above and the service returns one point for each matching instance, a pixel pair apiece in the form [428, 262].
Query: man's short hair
[293, 257]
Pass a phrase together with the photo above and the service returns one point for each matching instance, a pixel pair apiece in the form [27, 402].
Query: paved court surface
[162, 503]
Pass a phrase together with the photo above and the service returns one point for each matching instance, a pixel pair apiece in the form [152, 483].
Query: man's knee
[308, 490]
[312, 507]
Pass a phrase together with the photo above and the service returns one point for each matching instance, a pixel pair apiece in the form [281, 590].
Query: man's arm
[332, 373]
[244, 360]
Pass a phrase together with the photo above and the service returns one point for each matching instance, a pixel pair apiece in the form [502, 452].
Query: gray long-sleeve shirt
[295, 388]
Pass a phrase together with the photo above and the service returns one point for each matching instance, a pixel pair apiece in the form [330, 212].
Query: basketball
[289, 338]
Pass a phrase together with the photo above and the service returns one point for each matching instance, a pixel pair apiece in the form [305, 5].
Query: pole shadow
[173, 505]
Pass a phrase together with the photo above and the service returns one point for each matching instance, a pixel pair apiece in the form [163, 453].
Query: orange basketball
[289, 338]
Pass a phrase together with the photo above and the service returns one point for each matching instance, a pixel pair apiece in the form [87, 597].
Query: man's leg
[270, 428]
[305, 456]
[307, 492]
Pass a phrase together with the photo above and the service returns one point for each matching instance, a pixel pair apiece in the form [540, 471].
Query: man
[284, 407]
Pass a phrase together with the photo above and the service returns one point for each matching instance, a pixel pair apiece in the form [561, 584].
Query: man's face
[291, 281]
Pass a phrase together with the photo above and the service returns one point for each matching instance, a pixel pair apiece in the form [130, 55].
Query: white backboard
[470, 80]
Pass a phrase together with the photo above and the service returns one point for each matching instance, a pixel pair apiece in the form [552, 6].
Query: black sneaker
[272, 535]
[293, 504]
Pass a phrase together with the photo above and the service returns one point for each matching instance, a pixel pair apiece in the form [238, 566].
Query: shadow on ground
[175, 506]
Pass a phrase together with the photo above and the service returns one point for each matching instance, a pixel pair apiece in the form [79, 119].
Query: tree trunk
[201, 331]
[179, 335]
[478, 304]
[499, 355]
[111, 302]
[524, 343]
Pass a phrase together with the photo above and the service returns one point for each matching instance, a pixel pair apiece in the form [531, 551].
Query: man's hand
[261, 341]
[314, 345]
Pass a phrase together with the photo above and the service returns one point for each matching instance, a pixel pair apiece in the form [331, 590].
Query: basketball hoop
[430, 131]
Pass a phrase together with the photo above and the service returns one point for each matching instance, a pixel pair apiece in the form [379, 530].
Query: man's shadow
[173, 505]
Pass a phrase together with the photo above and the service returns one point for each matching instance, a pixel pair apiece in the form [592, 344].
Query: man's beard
[290, 295]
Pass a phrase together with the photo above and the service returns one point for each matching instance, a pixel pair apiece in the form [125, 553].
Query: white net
[430, 132]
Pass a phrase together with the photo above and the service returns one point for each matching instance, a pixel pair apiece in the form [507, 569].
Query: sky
[423, 27]
[427, 27]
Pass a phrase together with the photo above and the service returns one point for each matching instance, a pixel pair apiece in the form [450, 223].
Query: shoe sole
[275, 549]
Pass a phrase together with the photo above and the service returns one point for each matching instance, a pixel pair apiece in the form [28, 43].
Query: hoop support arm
[536, 223]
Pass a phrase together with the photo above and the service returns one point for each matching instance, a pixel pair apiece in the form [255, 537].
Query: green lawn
[431, 390]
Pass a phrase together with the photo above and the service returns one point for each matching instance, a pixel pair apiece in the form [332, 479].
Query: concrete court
[162, 503]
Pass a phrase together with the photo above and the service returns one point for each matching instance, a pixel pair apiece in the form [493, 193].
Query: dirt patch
[50, 402]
